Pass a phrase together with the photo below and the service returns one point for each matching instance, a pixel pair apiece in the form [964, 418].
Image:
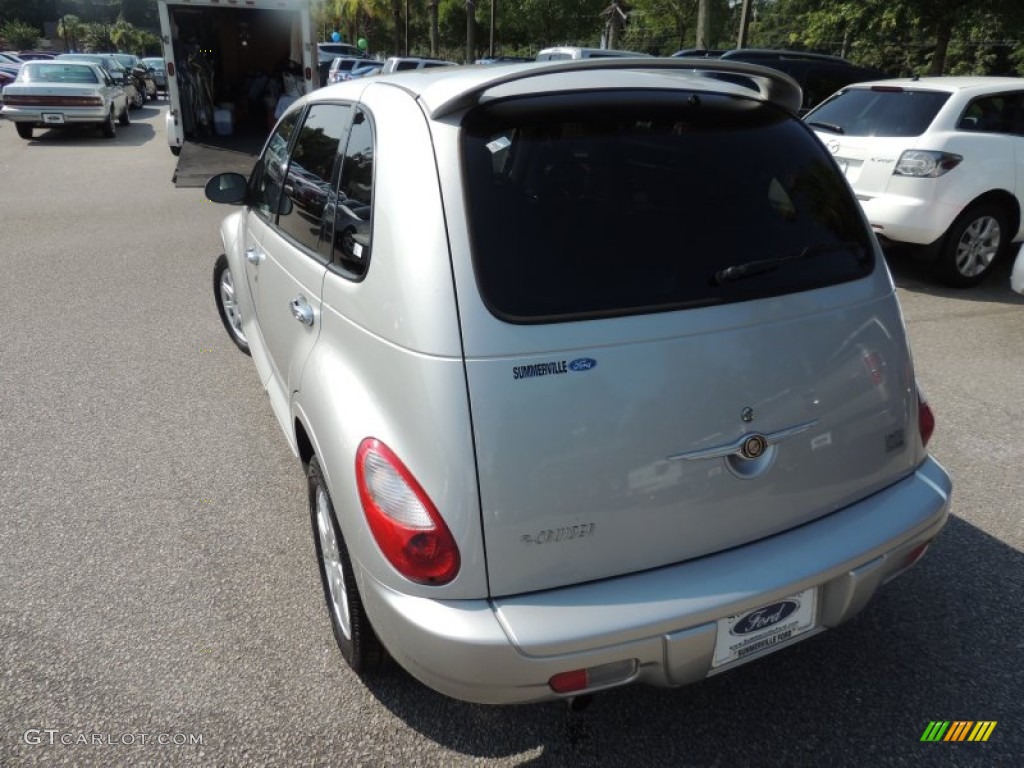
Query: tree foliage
[897, 36]
[19, 35]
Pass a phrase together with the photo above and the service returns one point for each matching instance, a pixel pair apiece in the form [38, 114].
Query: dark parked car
[7, 75]
[818, 75]
[36, 55]
[140, 72]
[158, 70]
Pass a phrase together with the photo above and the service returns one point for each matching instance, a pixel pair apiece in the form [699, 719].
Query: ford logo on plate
[765, 617]
[583, 364]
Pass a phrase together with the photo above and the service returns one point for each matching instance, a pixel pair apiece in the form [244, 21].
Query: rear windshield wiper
[827, 126]
[750, 268]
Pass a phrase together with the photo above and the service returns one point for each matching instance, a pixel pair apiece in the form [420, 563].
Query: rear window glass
[591, 205]
[57, 73]
[895, 112]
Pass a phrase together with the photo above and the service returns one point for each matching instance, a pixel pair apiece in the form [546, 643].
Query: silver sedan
[60, 94]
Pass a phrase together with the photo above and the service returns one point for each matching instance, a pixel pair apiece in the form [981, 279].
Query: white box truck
[232, 66]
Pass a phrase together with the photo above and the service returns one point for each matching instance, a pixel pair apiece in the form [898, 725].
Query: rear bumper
[908, 219]
[72, 115]
[504, 651]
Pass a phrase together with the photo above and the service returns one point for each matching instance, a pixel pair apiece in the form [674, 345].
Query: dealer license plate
[53, 118]
[765, 627]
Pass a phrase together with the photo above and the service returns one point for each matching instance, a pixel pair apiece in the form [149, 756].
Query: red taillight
[600, 676]
[54, 101]
[925, 419]
[404, 521]
[567, 682]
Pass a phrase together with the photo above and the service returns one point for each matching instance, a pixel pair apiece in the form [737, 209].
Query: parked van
[571, 52]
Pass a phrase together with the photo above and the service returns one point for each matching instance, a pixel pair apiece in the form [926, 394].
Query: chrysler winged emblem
[751, 446]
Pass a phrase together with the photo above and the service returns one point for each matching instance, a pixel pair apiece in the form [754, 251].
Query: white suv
[937, 162]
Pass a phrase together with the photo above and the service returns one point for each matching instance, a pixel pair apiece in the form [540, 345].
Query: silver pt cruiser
[595, 368]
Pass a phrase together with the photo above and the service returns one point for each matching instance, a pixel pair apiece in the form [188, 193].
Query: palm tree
[70, 29]
[353, 13]
[125, 36]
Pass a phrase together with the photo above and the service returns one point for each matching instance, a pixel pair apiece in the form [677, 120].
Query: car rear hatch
[867, 129]
[683, 339]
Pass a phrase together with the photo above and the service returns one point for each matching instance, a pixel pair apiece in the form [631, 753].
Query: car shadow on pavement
[135, 134]
[942, 642]
[914, 275]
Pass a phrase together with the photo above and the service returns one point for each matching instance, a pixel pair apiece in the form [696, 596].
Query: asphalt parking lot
[161, 604]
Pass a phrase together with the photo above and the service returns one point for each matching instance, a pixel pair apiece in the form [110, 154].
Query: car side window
[1014, 113]
[990, 114]
[353, 211]
[267, 177]
[311, 173]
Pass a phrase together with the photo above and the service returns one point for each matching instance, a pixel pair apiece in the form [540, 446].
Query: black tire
[974, 242]
[125, 118]
[227, 306]
[356, 639]
[24, 130]
[109, 128]
[140, 99]
[176, 151]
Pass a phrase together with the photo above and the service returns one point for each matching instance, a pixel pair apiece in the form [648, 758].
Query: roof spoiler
[770, 84]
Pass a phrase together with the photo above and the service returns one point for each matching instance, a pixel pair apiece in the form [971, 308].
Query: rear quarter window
[583, 206]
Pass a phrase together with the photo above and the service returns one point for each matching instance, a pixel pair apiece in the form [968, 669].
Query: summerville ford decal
[557, 367]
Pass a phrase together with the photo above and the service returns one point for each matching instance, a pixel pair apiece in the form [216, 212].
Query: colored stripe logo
[958, 730]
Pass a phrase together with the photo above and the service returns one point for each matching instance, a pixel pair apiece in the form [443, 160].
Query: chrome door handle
[301, 310]
[253, 256]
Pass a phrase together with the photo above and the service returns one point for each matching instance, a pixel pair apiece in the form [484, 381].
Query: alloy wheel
[227, 300]
[978, 246]
[334, 572]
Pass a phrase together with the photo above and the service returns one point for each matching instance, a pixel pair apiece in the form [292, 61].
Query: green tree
[32, 12]
[19, 35]
[97, 36]
[359, 18]
[126, 37]
[140, 13]
[71, 31]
